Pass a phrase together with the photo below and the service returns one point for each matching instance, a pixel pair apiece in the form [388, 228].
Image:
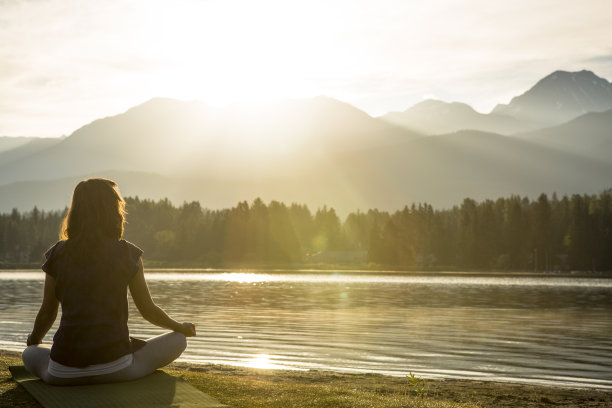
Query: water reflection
[522, 328]
[264, 361]
[452, 279]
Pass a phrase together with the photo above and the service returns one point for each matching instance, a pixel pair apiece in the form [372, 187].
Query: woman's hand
[189, 329]
[150, 311]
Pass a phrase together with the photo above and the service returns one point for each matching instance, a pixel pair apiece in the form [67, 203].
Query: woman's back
[93, 295]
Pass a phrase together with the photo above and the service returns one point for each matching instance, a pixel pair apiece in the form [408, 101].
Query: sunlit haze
[65, 63]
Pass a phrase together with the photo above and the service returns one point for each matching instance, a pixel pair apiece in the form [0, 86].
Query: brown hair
[97, 212]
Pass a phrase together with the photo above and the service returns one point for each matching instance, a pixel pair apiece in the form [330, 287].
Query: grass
[11, 394]
[262, 388]
[257, 388]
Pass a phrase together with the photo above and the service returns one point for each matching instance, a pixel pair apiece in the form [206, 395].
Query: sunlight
[242, 277]
[243, 59]
[262, 361]
[21, 275]
[357, 276]
[213, 52]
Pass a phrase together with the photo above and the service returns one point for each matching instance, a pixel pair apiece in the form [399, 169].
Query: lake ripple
[544, 330]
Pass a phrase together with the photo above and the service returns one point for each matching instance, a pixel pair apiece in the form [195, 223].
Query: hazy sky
[64, 63]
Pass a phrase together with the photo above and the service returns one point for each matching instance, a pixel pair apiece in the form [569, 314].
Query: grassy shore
[253, 388]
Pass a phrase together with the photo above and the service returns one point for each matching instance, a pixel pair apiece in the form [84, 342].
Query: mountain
[441, 170]
[27, 147]
[8, 143]
[589, 135]
[438, 117]
[555, 99]
[560, 97]
[55, 194]
[186, 138]
[317, 151]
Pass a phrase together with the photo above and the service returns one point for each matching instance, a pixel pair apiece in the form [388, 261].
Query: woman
[88, 271]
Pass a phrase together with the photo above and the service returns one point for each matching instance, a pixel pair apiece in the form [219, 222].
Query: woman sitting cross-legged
[89, 272]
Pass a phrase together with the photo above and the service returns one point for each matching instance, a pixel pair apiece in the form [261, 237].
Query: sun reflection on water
[262, 361]
[239, 277]
[244, 277]
[254, 277]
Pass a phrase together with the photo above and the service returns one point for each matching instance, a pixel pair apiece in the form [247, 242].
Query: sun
[229, 52]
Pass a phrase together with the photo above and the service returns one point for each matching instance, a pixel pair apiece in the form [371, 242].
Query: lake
[543, 329]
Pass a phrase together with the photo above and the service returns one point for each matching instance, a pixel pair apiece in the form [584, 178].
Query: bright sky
[64, 63]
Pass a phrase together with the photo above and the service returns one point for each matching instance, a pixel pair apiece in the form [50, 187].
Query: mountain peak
[560, 97]
[567, 76]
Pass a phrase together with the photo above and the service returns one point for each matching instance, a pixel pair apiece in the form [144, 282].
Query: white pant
[158, 352]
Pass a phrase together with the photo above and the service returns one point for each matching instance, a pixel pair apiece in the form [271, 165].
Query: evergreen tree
[509, 233]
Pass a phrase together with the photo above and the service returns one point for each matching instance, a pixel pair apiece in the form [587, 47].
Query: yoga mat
[156, 390]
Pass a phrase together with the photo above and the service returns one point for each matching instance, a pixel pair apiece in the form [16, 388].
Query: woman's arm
[150, 311]
[47, 313]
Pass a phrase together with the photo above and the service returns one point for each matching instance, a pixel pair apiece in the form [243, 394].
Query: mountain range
[555, 99]
[319, 151]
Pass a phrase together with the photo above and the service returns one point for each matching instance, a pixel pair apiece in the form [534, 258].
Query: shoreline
[253, 387]
[356, 268]
[199, 365]
[330, 270]
[528, 382]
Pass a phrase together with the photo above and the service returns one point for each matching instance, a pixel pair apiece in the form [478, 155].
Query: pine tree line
[511, 233]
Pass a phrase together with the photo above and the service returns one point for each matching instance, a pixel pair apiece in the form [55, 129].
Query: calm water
[545, 330]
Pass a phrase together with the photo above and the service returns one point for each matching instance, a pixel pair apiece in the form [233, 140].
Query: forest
[507, 234]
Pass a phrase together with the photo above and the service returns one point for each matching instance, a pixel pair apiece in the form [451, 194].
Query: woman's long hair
[97, 212]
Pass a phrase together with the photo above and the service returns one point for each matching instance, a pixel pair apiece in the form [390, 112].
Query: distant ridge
[28, 147]
[8, 142]
[560, 97]
[589, 135]
[438, 117]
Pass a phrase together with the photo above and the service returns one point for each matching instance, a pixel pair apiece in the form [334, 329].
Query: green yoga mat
[156, 390]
